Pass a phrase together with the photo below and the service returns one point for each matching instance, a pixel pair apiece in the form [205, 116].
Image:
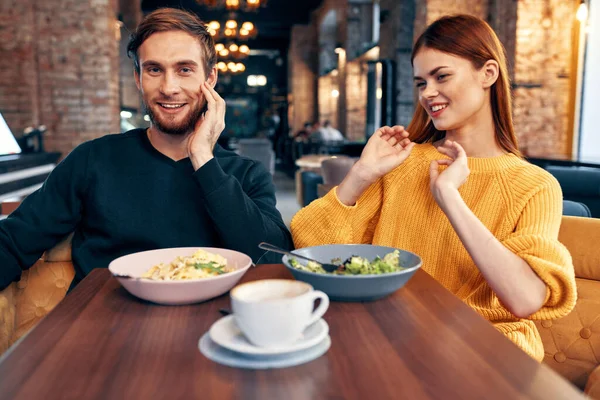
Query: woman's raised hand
[452, 177]
[385, 150]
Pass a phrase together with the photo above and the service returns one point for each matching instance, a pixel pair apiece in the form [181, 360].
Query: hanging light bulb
[224, 53]
[248, 26]
[233, 48]
[231, 24]
[253, 4]
[219, 47]
[244, 49]
[214, 25]
[232, 4]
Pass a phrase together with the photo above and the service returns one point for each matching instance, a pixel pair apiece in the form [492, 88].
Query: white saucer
[220, 355]
[226, 333]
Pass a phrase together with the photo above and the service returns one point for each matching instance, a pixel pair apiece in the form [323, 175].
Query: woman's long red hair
[473, 39]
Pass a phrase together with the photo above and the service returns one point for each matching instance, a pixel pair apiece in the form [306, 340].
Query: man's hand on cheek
[208, 128]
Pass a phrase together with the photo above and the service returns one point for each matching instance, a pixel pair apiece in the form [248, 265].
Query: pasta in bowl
[180, 275]
[201, 264]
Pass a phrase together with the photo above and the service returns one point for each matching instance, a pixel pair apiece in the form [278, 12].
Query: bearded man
[167, 186]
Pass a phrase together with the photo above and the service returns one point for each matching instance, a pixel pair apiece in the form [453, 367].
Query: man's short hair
[172, 19]
[327, 123]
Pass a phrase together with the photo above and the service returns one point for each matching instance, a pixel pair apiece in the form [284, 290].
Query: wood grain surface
[419, 343]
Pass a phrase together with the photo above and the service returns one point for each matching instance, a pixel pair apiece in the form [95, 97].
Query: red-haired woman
[456, 191]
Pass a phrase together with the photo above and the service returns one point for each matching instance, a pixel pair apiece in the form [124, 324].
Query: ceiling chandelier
[231, 29]
[231, 67]
[233, 5]
[230, 54]
[232, 50]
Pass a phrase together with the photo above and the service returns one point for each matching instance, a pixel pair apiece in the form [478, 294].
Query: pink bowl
[177, 292]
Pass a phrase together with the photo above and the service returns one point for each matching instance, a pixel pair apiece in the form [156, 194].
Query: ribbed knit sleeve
[535, 239]
[328, 220]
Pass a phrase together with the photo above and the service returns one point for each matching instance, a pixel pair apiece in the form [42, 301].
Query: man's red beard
[184, 127]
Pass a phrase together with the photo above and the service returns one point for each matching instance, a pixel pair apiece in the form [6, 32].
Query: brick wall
[129, 93]
[18, 80]
[131, 15]
[353, 68]
[65, 64]
[359, 28]
[327, 38]
[302, 76]
[356, 96]
[331, 22]
[503, 19]
[328, 104]
[398, 27]
[543, 76]
[439, 8]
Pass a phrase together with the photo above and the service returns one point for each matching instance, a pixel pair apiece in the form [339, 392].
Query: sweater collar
[217, 151]
[479, 164]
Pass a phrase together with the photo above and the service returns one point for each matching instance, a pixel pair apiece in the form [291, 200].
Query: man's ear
[212, 77]
[490, 72]
[136, 75]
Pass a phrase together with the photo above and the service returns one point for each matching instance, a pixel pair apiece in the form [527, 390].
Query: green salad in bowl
[356, 265]
[368, 273]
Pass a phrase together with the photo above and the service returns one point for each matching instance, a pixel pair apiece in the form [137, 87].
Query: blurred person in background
[329, 133]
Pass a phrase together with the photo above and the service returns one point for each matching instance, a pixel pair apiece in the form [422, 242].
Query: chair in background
[576, 209]
[572, 343]
[580, 184]
[334, 170]
[310, 182]
[260, 150]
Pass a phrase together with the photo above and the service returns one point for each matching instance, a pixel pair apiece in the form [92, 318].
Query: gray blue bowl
[354, 287]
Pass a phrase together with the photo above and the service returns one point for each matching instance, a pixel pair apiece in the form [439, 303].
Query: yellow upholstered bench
[572, 343]
[24, 303]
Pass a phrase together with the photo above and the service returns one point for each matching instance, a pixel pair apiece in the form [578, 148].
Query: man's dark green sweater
[119, 195]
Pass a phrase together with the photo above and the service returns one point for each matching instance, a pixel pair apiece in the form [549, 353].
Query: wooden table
[312, 161]
[420, 343]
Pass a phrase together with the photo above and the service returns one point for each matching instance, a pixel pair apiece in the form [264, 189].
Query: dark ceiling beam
[273, 22]
[282, 12]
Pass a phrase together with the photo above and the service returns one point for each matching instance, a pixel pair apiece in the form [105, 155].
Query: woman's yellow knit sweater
[519, 203]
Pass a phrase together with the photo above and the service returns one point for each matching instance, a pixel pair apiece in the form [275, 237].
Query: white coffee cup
[275, 312]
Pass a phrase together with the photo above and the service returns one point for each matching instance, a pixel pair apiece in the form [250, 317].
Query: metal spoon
[269, 247]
